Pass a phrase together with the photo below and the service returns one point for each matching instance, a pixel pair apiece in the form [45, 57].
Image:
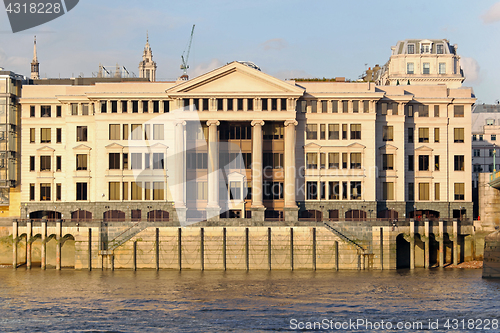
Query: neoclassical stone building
[285, 150]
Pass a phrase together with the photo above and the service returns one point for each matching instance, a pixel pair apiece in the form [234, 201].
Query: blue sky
[285, 38]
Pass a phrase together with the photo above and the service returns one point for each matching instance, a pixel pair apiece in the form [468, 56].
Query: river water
[255, 301]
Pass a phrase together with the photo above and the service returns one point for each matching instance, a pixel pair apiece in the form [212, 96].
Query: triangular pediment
[424, 148]
[236, 176]
[46, 149]
[114, 146]
[82, 147]
[388, 147]
[235, 79]
[312, 145]
[159, 146]
[356, 146]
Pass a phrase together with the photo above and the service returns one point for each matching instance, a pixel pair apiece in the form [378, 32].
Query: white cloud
[471, 69]
[274, 44]
[492, 15]
[14, 64]
[205, 68]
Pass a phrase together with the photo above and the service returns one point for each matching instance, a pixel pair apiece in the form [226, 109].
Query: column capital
[291, 122]
[180, 122]
[213, 123]
[257, 122]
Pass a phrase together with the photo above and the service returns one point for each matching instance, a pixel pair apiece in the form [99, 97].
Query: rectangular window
[147, 132]
[135, 106]
[344, 160]
[85, 109]
[235, 190]
[114, 131]
[493, 137]
[45, 192]
[324, 106]
[333, 131]
[388, 162]
[409, 110]
[411, 163]
[81, 191]
[136, 190]
[158, 131]
[147, 161]
[344, 191]
[476, 152]
[314, 107]
[437, 191]
[459, 163]
[264, 104]
[335, 106]
[136, 131]
[158, 161]
[355, 131]
[423, 191]
[333, 191]
[124, 106]
[45, 135]
[45, 163]
[156, 106]
[490, 122]
[125, 191]
[382, 108]
[311, 132]
[366, 106]
[423, 163]
[32, 111]
[45, 110]
[74, 109]
[355, 190]
[411, 191]
[436, 134]
[355, 160]
[114, 161]
[32, 135]
[32, 163]
[81, 162]
[459, 191]
[312, 190]
[410, 68]
[344, 131]
[387, 191]
[426, 68]
[480, 137]
[249, 104]
[125, 131]
[147, 191]
[458, 135]
[312, 160]
[458, 110]
[355, 106]
[81, 133]
[58, 135]
[32, 192]
[442, 68]
[436, 111]
[322, 132]
[436, 163]
[345, 106]
[439, 49]
[387, 133]
[423, 110]
[58, 192]
[125, 161]
[145, 106]
[411, 48]
[158, 191]
[114, 191]
[423, 135]
[333, 161]
[58, 163]
[136, 161]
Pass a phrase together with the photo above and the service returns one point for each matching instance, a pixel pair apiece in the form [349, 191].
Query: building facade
[238, 143]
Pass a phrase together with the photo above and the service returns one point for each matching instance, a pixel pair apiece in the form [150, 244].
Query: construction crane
[184, 65]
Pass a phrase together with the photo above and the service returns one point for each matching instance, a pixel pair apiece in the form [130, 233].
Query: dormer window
[440, 49]
[426, 48]
[411, 48]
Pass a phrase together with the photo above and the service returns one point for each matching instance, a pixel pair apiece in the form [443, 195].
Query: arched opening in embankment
[355, 215]
[81, 215]
[44, 214]
[113, 215]
[388, 214]
[68, 251]
[433, 250]
[158, 216]
[402, 252]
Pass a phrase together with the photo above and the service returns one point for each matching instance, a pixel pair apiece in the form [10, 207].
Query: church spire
[35, 66]
[147, 67]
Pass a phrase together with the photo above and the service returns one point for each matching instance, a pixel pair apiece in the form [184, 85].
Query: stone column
[58, 244]
[179, 181]
[427, 256]
[290, 209]
[108, 106]
[412, 244]
[129, 106]
[29, 234]
[257, 206]
[455, 242]
[14, 243]
[441, 243]
[213, 208]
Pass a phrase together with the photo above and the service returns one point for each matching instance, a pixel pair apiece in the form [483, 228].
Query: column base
[291, 214]
[213, 213]
[258, 214]
[181, 215]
